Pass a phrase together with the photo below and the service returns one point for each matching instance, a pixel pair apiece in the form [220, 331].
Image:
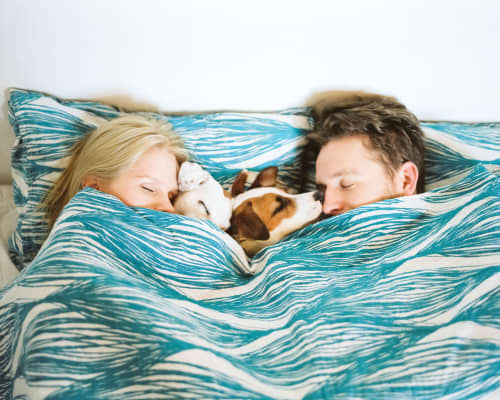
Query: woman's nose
[164, 204]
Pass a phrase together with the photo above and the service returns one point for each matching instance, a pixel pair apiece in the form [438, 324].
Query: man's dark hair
[393, 131]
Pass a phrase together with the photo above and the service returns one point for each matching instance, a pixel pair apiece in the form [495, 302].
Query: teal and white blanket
[395, 300]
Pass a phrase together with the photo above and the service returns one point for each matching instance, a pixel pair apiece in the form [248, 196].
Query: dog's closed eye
[282, 203]
[204, 207]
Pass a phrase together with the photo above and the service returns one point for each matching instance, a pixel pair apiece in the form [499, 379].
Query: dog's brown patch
[246, 224]
[269, 208]
[239, 183]
[266, 178]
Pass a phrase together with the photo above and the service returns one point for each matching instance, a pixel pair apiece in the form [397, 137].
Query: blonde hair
[104, 152]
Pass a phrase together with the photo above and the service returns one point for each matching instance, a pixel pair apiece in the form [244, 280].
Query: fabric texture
[454, 149]
[223, 143]
[397, 299]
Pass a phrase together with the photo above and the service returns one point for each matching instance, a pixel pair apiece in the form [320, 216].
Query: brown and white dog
[265, 214]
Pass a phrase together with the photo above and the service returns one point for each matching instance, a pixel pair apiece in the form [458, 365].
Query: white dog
[201, 196]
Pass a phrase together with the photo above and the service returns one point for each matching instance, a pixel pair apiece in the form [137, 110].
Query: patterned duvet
[395, 300]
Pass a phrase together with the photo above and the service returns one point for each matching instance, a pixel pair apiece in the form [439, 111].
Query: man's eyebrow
[344, 172]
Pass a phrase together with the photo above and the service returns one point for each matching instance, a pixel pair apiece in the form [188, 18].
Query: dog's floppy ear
[239, 183]
[245, 224]
[267, 177]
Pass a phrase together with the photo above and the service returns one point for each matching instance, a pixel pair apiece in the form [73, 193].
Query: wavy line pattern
[452, 150]
[397, 299]
[223, 142]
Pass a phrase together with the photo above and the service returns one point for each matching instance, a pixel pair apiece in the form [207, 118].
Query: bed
[399, 299]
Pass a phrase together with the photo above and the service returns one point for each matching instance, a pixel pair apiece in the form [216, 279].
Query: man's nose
[333, 203]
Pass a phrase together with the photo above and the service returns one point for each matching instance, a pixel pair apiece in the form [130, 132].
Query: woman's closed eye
[148, 188]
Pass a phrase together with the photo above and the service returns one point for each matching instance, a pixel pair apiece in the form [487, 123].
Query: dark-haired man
[369, 148]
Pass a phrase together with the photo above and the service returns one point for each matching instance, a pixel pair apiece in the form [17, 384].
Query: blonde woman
[133, 158]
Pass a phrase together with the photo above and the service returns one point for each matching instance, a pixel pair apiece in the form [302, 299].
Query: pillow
[222, 142]
[454, 149]
[46, 127]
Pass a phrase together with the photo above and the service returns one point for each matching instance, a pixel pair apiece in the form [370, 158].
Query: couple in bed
[366, 147]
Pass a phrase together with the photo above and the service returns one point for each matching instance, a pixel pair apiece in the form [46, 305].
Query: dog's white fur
[265, 213]
[201, 196]
[308, 209]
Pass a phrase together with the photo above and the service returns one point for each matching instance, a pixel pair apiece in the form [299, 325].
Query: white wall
[441, 58]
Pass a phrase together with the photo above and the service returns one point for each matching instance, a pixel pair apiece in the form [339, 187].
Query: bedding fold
[397, 299]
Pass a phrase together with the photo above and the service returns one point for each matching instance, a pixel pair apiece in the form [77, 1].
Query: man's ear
[91, 181]
[408, 177]
[266, 178]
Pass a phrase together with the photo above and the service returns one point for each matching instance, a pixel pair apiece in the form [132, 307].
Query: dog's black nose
[319, 196]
